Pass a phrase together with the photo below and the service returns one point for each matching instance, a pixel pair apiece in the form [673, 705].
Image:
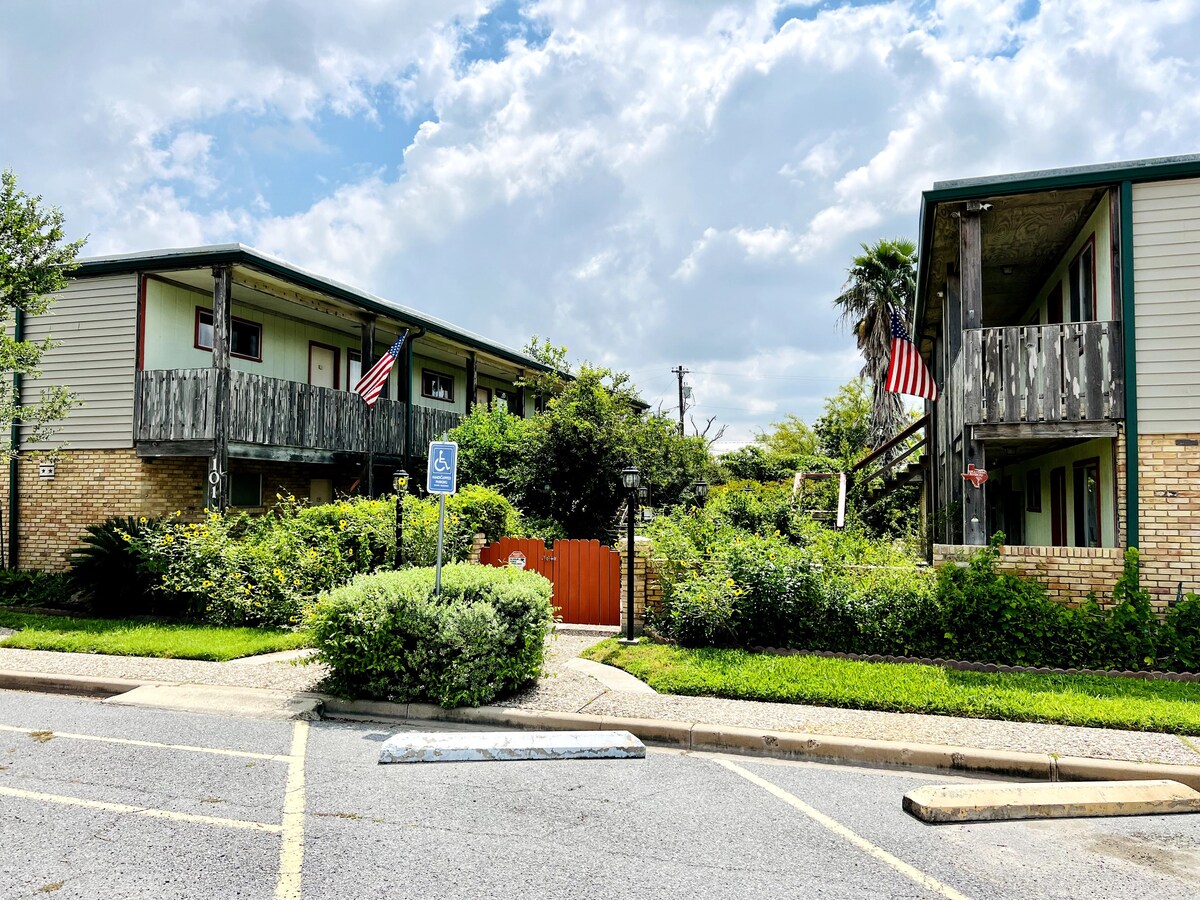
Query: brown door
[1058, 506]
[322, 365]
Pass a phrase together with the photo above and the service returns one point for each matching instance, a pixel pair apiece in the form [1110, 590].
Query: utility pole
[680, 371]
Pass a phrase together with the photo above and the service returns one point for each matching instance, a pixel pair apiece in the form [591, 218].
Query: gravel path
[564, 690]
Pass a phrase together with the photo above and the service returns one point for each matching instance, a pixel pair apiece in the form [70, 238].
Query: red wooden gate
[586, 576]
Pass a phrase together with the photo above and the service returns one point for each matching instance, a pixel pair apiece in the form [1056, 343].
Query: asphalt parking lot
[103, 801]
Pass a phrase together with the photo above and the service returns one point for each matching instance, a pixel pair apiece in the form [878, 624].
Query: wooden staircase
[896, 468]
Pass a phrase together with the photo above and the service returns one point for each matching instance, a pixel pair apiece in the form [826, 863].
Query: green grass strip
[1103, 702]
[128, 637]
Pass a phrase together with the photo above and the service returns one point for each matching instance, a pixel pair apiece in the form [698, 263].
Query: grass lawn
[1129, 703]
[126, 637]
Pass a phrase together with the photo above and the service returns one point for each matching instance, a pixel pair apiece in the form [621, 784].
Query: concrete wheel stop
[942, 804]
[493, 746]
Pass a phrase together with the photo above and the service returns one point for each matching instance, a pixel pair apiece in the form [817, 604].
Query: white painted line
[485, 746]
[243, 754]
[138, 810]
[291, 850]
[926, 881]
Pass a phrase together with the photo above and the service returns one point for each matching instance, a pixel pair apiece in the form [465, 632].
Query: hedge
[386, 636]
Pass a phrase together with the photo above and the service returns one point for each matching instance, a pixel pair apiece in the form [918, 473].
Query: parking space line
[291, 849]
[926, 881]
[138, 810]
[218, 751]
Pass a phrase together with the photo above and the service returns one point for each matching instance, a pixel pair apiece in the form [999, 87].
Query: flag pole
[371, 451]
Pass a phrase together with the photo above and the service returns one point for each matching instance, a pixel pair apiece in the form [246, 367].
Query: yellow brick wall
[91, 485]
[1068, 573]
[1169, 513]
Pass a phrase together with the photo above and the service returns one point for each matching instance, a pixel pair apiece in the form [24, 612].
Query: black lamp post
[400, 485]
[700, 489]
[631, 478]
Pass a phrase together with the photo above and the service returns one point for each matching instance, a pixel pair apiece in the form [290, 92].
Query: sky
[650, 183]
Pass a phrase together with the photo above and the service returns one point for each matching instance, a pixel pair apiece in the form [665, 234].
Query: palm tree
[883, 278]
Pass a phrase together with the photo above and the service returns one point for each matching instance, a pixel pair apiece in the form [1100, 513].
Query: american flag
[907, 373]
[370, 386]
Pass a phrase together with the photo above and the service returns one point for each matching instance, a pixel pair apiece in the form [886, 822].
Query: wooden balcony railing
[177, 405]
[1043, 373]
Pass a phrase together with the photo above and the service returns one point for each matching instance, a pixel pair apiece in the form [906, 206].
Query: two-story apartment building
[219, 376]
[1060, 313]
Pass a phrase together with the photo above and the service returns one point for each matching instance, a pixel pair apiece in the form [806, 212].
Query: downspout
[408, 396]
[14, 445]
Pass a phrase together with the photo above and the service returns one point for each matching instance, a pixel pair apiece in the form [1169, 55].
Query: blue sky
[650, 184]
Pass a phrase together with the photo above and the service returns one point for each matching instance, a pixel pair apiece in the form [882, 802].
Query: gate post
[645, 583]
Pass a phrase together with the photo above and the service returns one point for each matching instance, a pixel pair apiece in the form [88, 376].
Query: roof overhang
[1032, 217]
[275, 271]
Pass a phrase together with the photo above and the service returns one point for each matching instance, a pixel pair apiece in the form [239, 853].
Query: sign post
[442, 479]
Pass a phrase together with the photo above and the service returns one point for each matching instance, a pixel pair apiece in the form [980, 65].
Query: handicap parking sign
[443, 468]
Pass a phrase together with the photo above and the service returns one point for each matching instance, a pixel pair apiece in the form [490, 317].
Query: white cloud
[651, 184]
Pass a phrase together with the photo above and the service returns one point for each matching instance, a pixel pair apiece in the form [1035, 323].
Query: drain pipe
[14, 444]
[408, 396]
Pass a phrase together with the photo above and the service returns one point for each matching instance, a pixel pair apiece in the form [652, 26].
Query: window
[245, 489]
[437, 385]
[504, 400]
[245, 341]
[1082, 279]
[1033, 491]
[1087, 503]
[353, 368]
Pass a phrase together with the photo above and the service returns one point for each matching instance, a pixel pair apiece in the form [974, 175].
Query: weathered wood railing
[178, 405]
[1044, 373]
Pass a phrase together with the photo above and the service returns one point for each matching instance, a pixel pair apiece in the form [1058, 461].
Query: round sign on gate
[516, 559]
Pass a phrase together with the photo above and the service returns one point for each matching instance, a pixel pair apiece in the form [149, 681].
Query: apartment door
[1058, 506]
[322, 365]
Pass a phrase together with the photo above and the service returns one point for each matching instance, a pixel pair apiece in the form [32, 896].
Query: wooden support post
[952, 494]
[970, 262]
[520, 410]
[406, 394]
[218, 479]
[367, 351]
[472, 380]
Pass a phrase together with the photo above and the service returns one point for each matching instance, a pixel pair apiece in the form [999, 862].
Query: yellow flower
[168, 538]
[142, 520]
[342, 524]
[728, 582]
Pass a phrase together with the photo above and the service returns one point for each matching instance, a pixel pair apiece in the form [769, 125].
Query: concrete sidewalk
[566, 690]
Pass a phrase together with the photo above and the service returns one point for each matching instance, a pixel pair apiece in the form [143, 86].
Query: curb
[782, 744]
[694, 736]
[87, 685]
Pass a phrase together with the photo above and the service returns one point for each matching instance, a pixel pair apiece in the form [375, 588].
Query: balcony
[270, 418]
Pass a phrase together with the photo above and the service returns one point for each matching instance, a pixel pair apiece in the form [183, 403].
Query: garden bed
[1097, 701]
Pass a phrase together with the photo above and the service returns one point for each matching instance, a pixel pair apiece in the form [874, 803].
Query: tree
[791, 438]
[881, 280]
[843, 431]
[34, 263]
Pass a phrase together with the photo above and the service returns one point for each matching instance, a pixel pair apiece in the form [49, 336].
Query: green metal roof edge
[240, 254]
[1156, 169]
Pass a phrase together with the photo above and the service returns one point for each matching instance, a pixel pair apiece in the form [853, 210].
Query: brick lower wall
[1068, 573]
[90, 485]
[1169, 513]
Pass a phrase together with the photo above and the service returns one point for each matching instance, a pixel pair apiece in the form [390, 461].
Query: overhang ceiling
[1024, 236]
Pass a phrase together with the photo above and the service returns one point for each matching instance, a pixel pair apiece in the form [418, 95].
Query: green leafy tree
[881, 279]
[491, 445]
[755, 463]
[844, 429]
[791, 437]
[34, 263]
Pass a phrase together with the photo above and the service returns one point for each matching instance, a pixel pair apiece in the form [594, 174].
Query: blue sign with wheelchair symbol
[443, 468]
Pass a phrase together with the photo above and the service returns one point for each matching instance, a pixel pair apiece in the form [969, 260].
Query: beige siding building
[217, 377]
[1060, 313]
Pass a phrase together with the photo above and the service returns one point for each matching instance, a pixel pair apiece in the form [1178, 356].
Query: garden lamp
[700, 489]
[400, 485]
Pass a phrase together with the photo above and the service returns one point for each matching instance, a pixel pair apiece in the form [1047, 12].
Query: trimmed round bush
[386, 636]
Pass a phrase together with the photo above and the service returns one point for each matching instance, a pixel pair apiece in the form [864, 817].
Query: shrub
[111, 569]
[1180, 636]
[386, 635]
[483, 509]
[27, 587]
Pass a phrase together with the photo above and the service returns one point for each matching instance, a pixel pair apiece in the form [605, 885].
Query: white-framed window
[437, 385]
[245, 337]
[1081, 279]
